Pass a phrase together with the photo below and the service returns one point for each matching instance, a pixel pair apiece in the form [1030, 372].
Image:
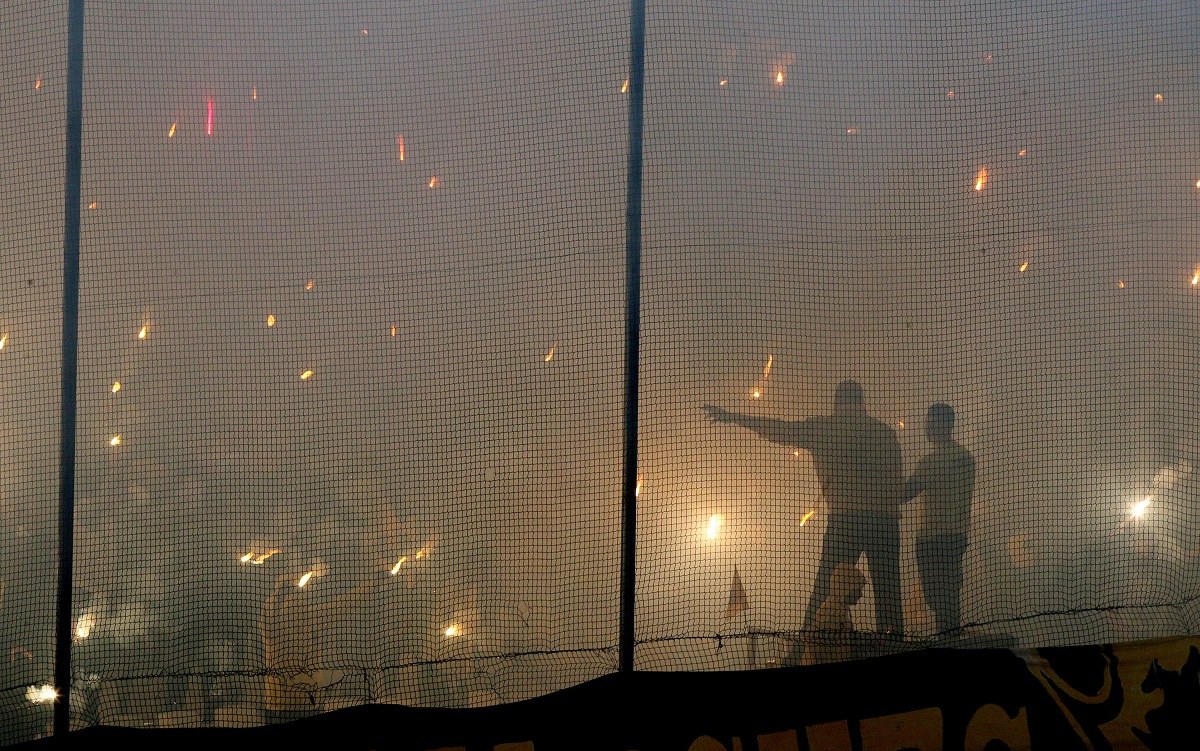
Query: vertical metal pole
[633, 281]
[70, 337]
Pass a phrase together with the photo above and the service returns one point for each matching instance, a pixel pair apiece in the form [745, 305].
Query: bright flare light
[83, 628]
[259, 560]
[806, 517]
[403, 560]
[550, 354]
[309, 284]
[625, 87]
[270, 320]
[304, 579]
[1196, 278]
[306, 375]
[3, 341]
[1139, 508]
[246, 558]
[714, 526]
[145, 329]
[452, 631]
[115, 440]
[171, 131]
[981, 178]
[41, 694]
[1024, 266]
[208, 128]
[779, 77]
[433, 182]
[400, 147]
[116, 386]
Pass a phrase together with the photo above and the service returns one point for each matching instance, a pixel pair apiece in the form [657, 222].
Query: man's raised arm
[776, 431]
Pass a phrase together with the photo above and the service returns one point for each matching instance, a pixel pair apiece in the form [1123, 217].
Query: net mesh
[353, 316]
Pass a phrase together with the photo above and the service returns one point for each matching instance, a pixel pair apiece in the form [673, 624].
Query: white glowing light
[3, 341]
[714, 526]
[304, 579]
[41, 694]
[270, 320]
[83, 628]
[116, 386]
[1139, 508]
[143, 331]
[246, 558]
[306, 375]
[399, 563]
[452, 631]
[115, 440]
[806, 517]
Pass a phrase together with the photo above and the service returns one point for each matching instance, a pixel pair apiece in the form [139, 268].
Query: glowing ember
[852, 131]
[779, 77]
[900, 424]
[270, 320]
[304, 579]
[393, 329]
[94, 205]
[1158, 98]
[1139, 508]
[260, 559]
[433, 182]
[400, 147]
[637, 488]
[1023, 152]
[208, 128]
[806, 517]
[254, 94]
[453, 630]
[724, 82]
[145, 329]
[306, 375]
[115, 440]
[981, 178]
[246, 558]
[171, 130]
[714, 526]
[550, 355]
[1120, 284]
[309, 284]
[1024, 266]
[37, 85]
[625, 87]
[399, 563]
[1196, 278]
[116, 386]
[83, 628]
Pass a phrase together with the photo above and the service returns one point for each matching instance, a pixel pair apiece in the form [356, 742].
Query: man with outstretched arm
[858, 462]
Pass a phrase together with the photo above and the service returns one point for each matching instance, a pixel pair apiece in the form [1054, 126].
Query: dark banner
[1142, 695]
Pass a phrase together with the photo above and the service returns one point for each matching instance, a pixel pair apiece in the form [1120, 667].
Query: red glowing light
[208, 130]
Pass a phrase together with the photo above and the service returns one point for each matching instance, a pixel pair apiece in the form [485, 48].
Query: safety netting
[919, 302]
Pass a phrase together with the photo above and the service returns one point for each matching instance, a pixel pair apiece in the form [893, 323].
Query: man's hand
[718, 414]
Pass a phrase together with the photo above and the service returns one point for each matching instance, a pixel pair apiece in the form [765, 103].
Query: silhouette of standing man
[858, 463]
[947, 478]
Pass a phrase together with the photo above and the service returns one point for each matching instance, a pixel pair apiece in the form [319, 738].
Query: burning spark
[433, 182]
[145, 329]
[625, 87]
[724, 82]
[393, 329]
[981, 178]
[1120, 284]
[900, 425]
[452, 630]
[3, 341]
[637, 488]
[306, 375]
[1024, 266]
[806, 517]
[304, 579]
[171, 130]
[399, 563]
[779, 77]
[84, 627]
[94, 205]
[254, 94]
[1196, 278]
[41, 694]
[364, 32]
[309, 284]
[116, 386]
[246, 558]
[208, 128]
[1158, 98]
[714, 526]
[259, 560]
[421, 554]
[115, 440]
[550, 354]
[1023, 152]
[1139, 508]
[37, 85]
[270, 320]
[756, 394]
[852, 131]
[400, 147]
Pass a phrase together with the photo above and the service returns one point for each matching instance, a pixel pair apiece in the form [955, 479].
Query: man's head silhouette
[939, 422]
[848, 398]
